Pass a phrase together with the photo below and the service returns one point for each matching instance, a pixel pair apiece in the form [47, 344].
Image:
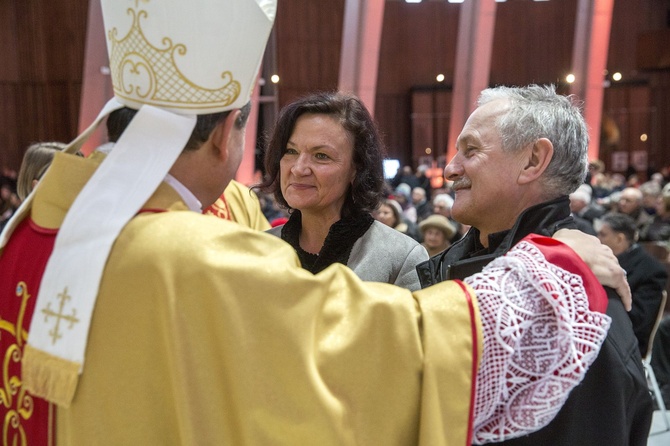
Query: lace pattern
[539, 340]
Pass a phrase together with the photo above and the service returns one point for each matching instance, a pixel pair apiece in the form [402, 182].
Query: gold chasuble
[206, 333]
[239, 204]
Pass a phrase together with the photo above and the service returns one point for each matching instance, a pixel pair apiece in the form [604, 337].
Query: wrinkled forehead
[482, 124]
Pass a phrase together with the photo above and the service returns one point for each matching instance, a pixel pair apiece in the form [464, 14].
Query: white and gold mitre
[190, 57]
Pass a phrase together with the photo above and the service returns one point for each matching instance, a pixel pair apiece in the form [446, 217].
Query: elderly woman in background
[437, 232]
[324, 163]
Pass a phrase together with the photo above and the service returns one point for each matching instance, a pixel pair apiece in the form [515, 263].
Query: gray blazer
[383, 254]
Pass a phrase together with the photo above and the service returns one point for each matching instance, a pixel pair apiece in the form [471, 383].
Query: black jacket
[647, 278]
[612, 405]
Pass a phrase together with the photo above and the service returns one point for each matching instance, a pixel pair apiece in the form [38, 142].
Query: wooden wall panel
[309, 40]
[418, 43]
[532, 42]
[8, 42]
[40, 85]
[388, 108]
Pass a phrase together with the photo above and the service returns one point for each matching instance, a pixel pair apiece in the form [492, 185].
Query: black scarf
[338, 244]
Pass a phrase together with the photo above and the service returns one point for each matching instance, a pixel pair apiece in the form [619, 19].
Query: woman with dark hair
[324, 164]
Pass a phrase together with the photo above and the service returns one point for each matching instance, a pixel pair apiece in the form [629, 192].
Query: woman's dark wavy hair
[366, 191]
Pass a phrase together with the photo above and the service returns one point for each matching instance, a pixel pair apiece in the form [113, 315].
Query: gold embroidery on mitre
[13, 397]
[134, 59]
[60, 316]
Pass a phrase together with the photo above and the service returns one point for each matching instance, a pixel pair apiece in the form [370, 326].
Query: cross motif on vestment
[60, 315]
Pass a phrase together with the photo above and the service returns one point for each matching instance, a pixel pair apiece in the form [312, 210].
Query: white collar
[191, 201]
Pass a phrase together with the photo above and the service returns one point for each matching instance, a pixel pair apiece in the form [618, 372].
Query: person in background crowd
[658, 230]
[582, 204]
[389, 212]
[403, 195]
[405, 175]
[579, 206]
[423, 181]
[629, 203]
[651, 191]
[657, 178]
[324, 163]
[423, 207]
[646, 276]
[35, 162]
[442, 204]
[437, 232]
[9, 199]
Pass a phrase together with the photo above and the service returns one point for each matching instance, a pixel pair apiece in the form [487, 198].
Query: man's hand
[600, 259]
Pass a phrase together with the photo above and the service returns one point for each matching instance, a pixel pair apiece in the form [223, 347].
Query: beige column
[589, 60]
[476, 25]
[359, 58]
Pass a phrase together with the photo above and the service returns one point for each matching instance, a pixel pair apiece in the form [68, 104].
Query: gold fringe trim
[49, 377]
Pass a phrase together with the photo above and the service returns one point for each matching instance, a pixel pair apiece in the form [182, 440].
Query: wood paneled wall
[309, 40]
[42, 46]
[640, 102]
[41, 57]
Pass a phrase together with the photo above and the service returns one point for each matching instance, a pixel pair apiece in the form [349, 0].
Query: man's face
[434, 238]
[418, 196]
[487, 195]
[615, 240]
[442, 209]
[629, 201]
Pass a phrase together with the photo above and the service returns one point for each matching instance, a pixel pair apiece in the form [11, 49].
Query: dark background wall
[42, 47]
[41, 60]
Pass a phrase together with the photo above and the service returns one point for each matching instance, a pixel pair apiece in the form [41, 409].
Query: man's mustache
[461, 183]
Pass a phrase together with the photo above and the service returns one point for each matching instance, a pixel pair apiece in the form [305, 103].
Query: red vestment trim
[475, 359]
[563, 256]
[26, 419]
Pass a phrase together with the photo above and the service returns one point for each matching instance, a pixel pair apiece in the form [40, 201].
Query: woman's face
[434, 238]
[317, 167]
[385, 215]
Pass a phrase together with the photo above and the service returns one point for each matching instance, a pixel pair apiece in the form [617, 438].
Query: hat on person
[438, 222]
[172, 60]
[582, 193]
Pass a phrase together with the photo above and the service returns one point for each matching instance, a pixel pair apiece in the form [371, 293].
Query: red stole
[25, 419]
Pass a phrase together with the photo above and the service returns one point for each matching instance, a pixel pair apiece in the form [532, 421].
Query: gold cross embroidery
[60, 315]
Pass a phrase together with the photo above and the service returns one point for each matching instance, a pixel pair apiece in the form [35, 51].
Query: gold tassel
[49, 377]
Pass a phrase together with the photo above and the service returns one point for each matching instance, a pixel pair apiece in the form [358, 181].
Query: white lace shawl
[539, 340]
